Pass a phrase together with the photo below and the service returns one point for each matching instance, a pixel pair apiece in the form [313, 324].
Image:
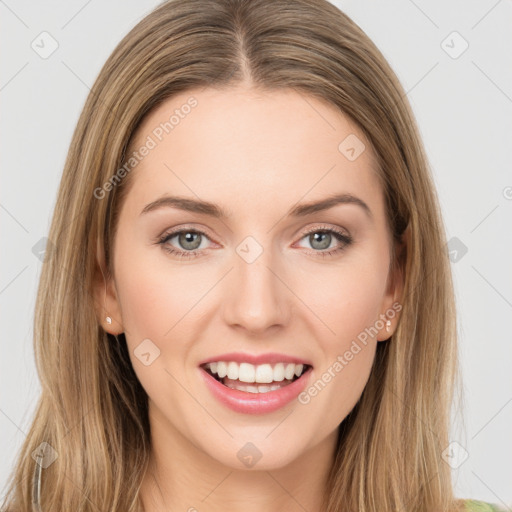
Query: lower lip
[255, 403]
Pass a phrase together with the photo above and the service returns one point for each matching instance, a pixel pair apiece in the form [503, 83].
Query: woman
[249, 305]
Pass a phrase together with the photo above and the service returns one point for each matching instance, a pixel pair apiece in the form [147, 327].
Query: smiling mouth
[258, 384]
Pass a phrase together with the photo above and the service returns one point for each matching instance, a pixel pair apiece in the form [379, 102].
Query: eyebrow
[216, 211]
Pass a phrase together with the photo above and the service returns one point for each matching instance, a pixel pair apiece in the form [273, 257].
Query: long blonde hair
[92, 412]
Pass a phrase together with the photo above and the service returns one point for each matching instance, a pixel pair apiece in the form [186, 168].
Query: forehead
[242, 144]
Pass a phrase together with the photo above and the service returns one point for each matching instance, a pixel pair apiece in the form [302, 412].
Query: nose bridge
[256, 298]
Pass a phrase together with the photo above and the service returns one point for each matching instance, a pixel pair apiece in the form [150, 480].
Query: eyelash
[340, 236]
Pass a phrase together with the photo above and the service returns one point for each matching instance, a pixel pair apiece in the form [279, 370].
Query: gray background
[463, 106]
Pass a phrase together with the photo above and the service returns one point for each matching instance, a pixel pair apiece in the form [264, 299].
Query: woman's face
[271, 282]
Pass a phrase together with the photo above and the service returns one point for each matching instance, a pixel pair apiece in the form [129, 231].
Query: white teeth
[246, 372]
[261, 388]
[222, 369]
[278, 373]
[232, 371]
[262, 373]
[289, 371]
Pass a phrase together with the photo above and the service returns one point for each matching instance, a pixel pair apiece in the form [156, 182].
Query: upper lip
[255, 359]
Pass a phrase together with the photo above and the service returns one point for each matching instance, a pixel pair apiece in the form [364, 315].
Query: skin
[256, 154]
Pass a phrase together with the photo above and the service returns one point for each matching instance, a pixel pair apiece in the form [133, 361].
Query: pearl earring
[388, 325]
[109, 320]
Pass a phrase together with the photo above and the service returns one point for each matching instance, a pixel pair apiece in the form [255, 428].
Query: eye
[189, 239]
[321, 239]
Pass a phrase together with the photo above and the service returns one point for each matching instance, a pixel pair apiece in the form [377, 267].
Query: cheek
[350, 307]
[347, 298]
[156, 299]
[158, 305]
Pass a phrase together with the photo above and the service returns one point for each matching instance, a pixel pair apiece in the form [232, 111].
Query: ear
[106, 302]
[392, 301]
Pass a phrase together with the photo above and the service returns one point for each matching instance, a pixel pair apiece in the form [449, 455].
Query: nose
[256, 299]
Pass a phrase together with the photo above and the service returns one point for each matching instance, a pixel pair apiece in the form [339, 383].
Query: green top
[482, 506]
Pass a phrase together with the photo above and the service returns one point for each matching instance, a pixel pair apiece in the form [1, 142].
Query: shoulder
[482, 506]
